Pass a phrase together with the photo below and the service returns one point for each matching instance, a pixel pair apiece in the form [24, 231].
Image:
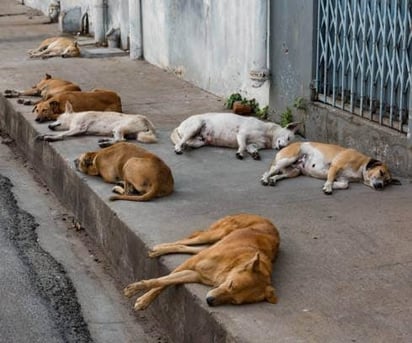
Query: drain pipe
[260, 71]
[99, 20]
[136, 29]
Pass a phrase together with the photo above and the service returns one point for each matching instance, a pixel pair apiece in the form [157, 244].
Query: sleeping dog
[336, 164]
[231, 130]
[237, 262]
[101, 123]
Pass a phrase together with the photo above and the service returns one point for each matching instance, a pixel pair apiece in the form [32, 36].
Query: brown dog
[140, 175]
[336, 164]
[96, 100]
[56, 46]
[46, 88]
[239, 264]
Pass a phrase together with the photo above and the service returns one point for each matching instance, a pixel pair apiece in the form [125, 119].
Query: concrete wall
[207, 42]
[291, 51]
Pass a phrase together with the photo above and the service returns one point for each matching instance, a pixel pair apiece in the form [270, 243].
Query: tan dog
[238, 264]
[119, 125]
[96, 100]
[140, 175]
[336, 164]
[56, 46]
[46, 88]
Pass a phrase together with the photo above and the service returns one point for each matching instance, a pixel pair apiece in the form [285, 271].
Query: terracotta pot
[240, 108]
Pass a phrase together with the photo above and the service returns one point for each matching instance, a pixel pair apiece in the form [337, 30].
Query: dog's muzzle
[378, 185]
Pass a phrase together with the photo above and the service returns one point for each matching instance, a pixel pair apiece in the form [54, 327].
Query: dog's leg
[157, 285]
[332, 172]
[165, 249]
[253, 150]
[340, 184]
[241, 141]
[276, 168]
[186, 136]
[60, 136]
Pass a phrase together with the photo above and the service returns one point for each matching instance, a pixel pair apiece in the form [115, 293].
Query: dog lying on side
[45, 88]
[238, 264]
[117, 124]
[233, 131]
[336, 164]
[95, 100]
[139, 174]
[56, 46]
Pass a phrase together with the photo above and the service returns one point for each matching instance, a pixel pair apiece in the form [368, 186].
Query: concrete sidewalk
[344, 269]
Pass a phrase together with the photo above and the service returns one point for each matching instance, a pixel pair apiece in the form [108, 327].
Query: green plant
[300, 104]
[286, 117]
[262, 113]
[231, 99]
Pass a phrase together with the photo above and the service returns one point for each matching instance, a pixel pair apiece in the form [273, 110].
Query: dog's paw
[327, 189]
[104, 143]
[272, 182]
[239, 156]
[178, 152]
[264, 182]
[39, 138]
[154, 253]
[256, 156]
[130, 290]
[141, 304]
[118, 189]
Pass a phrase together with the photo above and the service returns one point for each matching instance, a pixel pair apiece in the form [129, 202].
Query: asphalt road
[54, 284]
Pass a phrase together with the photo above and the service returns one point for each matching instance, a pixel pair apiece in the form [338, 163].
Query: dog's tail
[175, 136]
[148, 136]
[152, 193]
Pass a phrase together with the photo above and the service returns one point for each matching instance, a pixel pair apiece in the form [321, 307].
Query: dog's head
[72, 50]
[377, 175]
[85, 163]
[284, 135]
[47, 110]
[246, 284]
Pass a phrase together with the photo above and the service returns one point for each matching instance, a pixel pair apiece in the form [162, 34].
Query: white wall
[208, 42]
[211, 43]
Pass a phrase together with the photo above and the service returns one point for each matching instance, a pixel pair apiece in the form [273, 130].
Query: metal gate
[364, 59]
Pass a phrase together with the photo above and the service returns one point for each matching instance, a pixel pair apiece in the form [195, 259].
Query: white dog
[233, 131]
[101, 123]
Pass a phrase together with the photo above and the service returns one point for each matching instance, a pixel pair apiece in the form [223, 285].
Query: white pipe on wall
[260, 71]
[99, 13]
[136, 34]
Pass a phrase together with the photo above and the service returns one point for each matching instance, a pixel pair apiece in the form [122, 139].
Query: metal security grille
[364, 59]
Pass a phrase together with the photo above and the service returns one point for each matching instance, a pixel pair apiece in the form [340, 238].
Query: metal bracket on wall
[259, 77]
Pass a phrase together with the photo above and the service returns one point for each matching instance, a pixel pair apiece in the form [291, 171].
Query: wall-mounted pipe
[136, 29]
[99, 20]
[260, 70]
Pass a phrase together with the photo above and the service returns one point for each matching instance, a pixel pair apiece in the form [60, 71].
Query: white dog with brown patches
[101, 123]
[336, 164]
[231, 130]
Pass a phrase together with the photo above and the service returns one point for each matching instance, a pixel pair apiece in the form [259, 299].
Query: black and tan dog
[139, 174]
[238, 263]
[336, 164]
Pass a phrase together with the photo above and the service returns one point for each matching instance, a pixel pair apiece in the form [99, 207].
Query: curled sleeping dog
[119, 125]
[238, 262]
[45, 88]
[231, 130]
[139, 174]
[336, 164]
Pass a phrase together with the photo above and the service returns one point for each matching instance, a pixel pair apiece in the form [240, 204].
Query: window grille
[363, 62]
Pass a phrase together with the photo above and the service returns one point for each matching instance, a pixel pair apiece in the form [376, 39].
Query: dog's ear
[294, 127]
[48, 76]
[270, 295]
[254, 263]
[68, 107]
[55, 106]
[373, 163]
[76, 44]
